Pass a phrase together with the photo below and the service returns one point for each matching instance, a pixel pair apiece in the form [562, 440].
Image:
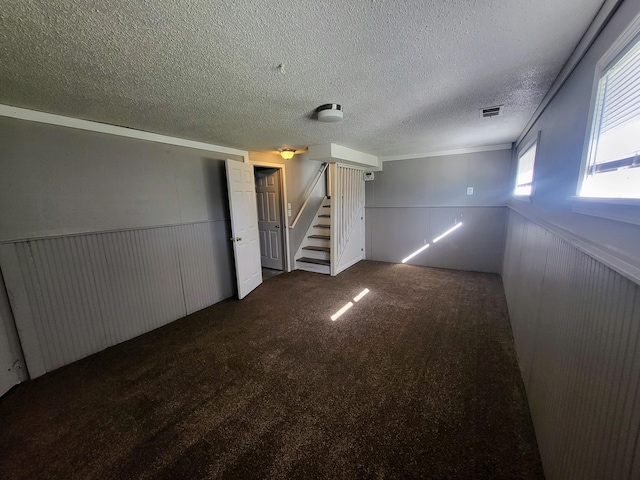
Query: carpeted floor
[417, 380]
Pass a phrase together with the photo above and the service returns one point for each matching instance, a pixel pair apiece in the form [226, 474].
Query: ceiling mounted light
[329, 112]
[287, 153]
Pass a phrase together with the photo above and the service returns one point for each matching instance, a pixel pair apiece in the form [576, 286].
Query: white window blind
[524, 177]
[613, 160]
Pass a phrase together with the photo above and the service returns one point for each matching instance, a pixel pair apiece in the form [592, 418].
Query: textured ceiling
[411, 75]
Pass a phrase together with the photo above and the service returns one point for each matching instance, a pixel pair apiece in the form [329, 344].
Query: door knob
[277, 226]
[237, 239]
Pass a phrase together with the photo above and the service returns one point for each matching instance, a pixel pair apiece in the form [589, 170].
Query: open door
[12, 369]
[244, 226]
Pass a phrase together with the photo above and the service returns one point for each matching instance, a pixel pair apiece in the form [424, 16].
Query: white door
[11, 369]
[270, 218]
[244, 226]
[8, 363]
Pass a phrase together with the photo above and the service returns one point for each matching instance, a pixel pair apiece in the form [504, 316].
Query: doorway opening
[272, 210]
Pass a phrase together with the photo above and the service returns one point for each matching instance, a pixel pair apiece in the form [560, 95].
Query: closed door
[270, 225]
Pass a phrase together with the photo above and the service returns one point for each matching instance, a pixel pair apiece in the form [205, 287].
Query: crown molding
[69, 122]
[443, 153]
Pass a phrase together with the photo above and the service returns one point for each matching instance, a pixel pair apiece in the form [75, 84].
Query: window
[524, 177]
[612, 167]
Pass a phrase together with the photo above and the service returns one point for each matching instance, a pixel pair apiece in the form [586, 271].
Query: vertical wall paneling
[198, 265]
[576, 324]
[395, 232]
[76, 295]
[347, 211]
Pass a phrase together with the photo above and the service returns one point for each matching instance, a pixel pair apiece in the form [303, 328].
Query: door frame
[283, 206]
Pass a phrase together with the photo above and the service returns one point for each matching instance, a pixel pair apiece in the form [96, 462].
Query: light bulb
[287, 154]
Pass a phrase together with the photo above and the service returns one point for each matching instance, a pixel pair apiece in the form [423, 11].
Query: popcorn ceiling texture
[411, 75]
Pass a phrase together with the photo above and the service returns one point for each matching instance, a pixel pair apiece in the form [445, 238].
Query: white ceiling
[410, 74]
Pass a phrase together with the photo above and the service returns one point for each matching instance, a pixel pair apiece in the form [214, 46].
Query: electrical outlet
[469, 190]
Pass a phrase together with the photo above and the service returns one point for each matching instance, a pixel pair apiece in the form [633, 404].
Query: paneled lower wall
[78, 294]
[393, 233]
[576, 325]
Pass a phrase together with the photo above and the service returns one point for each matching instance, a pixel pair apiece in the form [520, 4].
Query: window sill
[619, 209]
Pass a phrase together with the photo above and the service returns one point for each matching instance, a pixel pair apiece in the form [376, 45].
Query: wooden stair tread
[317, 261]
[322, 226]
[326, 206]
[320, 237]
[317, 249]
[324, 215]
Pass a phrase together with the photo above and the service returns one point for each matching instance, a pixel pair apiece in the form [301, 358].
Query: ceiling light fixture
[287, 153]
[329, 112]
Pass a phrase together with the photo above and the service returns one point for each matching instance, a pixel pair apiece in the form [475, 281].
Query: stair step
[324, 215]
[326, 206]
[322, 226]
[317, 249]
[320, 237]
[317, 261]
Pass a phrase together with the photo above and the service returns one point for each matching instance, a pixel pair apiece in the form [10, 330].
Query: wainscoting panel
[399, 231]
[576, 325]
[84, 293]
[196, 261]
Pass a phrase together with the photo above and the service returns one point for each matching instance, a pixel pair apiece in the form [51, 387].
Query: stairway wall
[347, 217]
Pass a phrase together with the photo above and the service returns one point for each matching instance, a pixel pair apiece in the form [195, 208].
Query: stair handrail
[315, 184]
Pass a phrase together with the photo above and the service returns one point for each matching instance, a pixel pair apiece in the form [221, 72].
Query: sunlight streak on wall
[405, 260]
[446, 233]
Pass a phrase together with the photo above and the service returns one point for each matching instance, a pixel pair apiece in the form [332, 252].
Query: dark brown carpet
[418, 380]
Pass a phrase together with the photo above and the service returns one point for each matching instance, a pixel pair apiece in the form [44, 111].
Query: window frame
[520, 152]
[622, 45]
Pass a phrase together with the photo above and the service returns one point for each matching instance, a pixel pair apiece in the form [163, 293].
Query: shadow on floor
[268, 273]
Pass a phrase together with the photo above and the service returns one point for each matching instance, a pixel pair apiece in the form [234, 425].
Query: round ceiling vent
[329, 112]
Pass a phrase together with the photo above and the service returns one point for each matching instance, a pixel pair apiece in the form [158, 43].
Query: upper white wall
[57, 180]
[442, 181]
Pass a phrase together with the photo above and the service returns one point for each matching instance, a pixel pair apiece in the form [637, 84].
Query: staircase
[314, 254]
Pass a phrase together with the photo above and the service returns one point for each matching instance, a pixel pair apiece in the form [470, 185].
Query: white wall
[57, 181]
[564, 126]
[571, 283]
[104, 238]
[413, 201]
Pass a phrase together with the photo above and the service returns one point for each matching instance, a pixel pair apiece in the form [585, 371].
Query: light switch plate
[469, 190]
